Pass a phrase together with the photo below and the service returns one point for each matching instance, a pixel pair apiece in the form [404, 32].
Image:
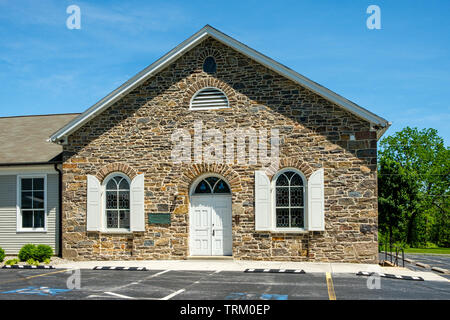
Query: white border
[193, 195]
[19, 228]
[273, 207]
[103, 208]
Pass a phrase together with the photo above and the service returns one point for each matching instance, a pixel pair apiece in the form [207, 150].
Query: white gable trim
[60, 135]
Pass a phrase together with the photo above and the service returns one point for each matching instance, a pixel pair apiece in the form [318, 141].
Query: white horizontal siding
[11, 240]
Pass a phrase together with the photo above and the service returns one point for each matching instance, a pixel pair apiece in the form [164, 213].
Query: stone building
[218, 150]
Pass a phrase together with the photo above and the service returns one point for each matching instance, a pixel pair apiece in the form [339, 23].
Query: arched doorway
[210, 217]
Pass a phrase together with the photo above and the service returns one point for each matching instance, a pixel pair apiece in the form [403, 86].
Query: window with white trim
[209, 98]
[117, 202]
[289, 200]
[32, 203]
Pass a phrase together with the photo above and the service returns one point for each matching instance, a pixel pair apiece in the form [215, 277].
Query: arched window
[212, 185]
[289, 199]
[117, 202]
[209, 65]
[209, 98]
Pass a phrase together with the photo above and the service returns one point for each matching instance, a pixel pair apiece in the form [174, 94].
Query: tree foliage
[413, 187]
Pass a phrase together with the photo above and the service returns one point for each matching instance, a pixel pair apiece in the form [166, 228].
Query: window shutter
[316, 208]
[137, 211]
[93, 215]
[263, 217]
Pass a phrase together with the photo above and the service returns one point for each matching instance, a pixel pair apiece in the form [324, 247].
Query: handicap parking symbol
[40, 291]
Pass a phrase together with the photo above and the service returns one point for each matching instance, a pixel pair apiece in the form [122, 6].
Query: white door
[211, 227]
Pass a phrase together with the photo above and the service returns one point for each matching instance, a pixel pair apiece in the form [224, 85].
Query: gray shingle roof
[23, 139]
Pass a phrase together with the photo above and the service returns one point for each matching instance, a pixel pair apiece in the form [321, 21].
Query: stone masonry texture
[133, 136]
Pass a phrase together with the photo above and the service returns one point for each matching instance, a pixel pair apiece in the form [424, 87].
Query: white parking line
[119, 295]
[170, 296]
[159, 273]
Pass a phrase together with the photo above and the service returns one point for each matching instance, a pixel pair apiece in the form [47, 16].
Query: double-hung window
[32, 203]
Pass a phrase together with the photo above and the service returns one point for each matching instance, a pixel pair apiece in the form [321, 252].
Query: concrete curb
[440, 270]
[423, 265]
[121, 268]
[27, 267]
[390, 276]
[298, 271]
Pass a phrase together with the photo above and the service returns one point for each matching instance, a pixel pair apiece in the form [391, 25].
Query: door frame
[192, 195]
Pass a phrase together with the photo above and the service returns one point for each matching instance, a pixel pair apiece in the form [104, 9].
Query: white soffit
[191, 42]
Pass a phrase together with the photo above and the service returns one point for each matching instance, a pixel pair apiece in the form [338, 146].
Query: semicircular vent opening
[209, 98]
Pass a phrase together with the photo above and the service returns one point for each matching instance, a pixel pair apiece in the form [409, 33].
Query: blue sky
[401, 72]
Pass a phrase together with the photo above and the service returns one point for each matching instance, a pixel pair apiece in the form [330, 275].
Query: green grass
[428, 250]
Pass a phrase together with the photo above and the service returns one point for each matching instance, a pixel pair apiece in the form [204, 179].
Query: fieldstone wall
[134, 136]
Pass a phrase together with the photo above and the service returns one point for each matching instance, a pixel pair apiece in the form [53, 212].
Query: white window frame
[103, 209]
[209, 108]
[274, 202]
[19, 227]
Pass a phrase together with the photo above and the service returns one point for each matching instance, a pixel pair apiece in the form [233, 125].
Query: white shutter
[263, 217]
[93, 212]
[137, 211]
[316, 208]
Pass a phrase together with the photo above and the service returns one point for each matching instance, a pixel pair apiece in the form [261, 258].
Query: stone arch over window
[116, 167]
[208, 52]
[305, 168]
[210, 82]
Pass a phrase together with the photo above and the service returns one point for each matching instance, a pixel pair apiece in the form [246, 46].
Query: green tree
[421, 160]
[398, 197]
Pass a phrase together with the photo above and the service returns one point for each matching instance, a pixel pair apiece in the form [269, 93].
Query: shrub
[47, 261]
[12, 262]
[27, 252]
[42, 252]
[32, 262]
[2, 254]
[38, 253]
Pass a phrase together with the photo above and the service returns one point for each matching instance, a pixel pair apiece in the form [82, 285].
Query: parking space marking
[157, 274]
[35, 276]
[173, 294]
[119, 295]
[331, 293]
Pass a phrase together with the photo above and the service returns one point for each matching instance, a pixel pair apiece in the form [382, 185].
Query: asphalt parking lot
[209, 285]
[433, 260]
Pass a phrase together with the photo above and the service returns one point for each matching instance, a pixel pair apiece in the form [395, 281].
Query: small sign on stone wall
[159, 218]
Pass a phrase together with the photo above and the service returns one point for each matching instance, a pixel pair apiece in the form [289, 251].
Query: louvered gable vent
[209, 98]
